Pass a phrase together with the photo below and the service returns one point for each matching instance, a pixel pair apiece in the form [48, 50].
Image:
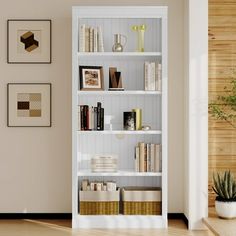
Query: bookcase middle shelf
[119, 132]
[118, 173]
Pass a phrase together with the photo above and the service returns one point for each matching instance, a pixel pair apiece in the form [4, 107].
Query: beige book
[86, 39]
[141, 157]
[157, 157]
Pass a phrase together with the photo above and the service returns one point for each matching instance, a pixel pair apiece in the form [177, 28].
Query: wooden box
[141, 201]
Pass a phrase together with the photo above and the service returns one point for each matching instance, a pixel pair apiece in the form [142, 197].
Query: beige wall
[35, 163]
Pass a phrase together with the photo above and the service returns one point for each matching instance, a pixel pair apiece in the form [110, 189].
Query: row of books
[148, 157]
[90, 39]
[152, 76]
[91, 118]
[98, 185]
[104, 163]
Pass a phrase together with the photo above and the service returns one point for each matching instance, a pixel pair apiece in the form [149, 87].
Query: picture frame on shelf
[91, 78]
[28, 41]
[29, 104]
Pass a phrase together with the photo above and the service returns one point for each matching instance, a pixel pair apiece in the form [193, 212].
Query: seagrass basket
[141, 201]
[99, 202]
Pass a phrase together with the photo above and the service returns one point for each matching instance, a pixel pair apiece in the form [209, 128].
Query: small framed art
[29, 41]
[91, 78]
[29, 105]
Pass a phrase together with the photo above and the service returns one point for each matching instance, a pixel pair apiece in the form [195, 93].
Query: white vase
[226, 210]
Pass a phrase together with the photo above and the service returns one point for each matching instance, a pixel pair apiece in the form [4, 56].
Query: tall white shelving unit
[119, 19]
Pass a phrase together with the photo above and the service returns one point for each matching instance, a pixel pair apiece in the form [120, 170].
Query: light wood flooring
[62, 228]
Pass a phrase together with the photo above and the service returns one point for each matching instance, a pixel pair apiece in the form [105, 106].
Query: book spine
[86, 39]
[99, 108]
[91, 36]
[145, 158]
[157, 158]
[82, 117]
[102, 118]
[141, 157]
[146, 76]
[100, 40]
[149, 157]
[152, 76]
[152, 157]
[79, 120]
[90, 119]
[95, 40]
[158, 74]
[95, 118]
[86, 117]
[82, 38]
[137, 158]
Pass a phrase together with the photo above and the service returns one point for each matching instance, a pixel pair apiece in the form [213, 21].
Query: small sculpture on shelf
[140, 29]
[115, 80]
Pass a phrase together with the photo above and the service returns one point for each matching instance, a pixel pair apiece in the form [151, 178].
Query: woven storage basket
[141, 201]
[99, 202]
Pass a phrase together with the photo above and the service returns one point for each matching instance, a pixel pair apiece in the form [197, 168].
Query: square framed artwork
[29, 105]
[91, 78]
[29, 41]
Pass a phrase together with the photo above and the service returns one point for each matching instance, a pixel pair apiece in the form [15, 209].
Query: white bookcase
[119, 19]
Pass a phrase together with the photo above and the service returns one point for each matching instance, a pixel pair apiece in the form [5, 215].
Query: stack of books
[152, 76]
[91, 118]
[98, 185]
[90, 39]
[104, 163]
[148, 157]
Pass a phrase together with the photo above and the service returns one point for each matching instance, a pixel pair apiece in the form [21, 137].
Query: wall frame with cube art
[29, 105]
[29, 41]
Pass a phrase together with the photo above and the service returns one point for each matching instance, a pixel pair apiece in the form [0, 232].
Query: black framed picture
[29, 105]
[91, 78]
[29, 41]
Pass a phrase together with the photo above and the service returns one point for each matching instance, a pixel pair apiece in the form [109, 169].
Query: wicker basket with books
[141, 201]
[99, 202]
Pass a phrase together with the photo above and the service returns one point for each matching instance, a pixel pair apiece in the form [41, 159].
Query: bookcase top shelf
[118, 173]
[127, 92]
[119, 132]
[119, 54]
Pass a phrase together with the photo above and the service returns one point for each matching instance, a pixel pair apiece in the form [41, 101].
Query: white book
[157, 158]
[95, 40]
[137, 159]
[152, 157]
[100, 40]
[91, 36]
[152, 73]
[158, 76]
[82, 38]
[146, 75]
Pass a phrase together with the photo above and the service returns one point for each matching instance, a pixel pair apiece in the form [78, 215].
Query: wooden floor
[62, 228]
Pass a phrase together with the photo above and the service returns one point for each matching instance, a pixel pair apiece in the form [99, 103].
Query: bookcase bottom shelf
[119, 221]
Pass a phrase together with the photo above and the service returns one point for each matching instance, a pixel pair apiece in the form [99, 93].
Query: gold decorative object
[140, 29]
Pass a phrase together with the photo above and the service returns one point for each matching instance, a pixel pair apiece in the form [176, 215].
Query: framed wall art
[91, 78]
[29, 41]
[29, 105]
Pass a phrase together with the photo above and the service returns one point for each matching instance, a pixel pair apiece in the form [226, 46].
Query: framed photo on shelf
[29, 41]
[29, 105]
[91, 78]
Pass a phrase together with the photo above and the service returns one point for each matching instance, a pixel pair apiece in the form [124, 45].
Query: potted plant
[225, 189]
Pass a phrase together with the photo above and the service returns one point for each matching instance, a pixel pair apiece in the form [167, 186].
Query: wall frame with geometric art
[29, 41]
[29, 105]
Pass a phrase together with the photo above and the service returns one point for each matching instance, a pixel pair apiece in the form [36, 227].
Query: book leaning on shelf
[147, 157]
[91, 118]
[152, 76]
[90, 39]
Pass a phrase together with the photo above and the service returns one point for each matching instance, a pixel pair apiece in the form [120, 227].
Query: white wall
[35, 163]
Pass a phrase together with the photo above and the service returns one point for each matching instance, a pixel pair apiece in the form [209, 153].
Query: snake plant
[224, 186]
